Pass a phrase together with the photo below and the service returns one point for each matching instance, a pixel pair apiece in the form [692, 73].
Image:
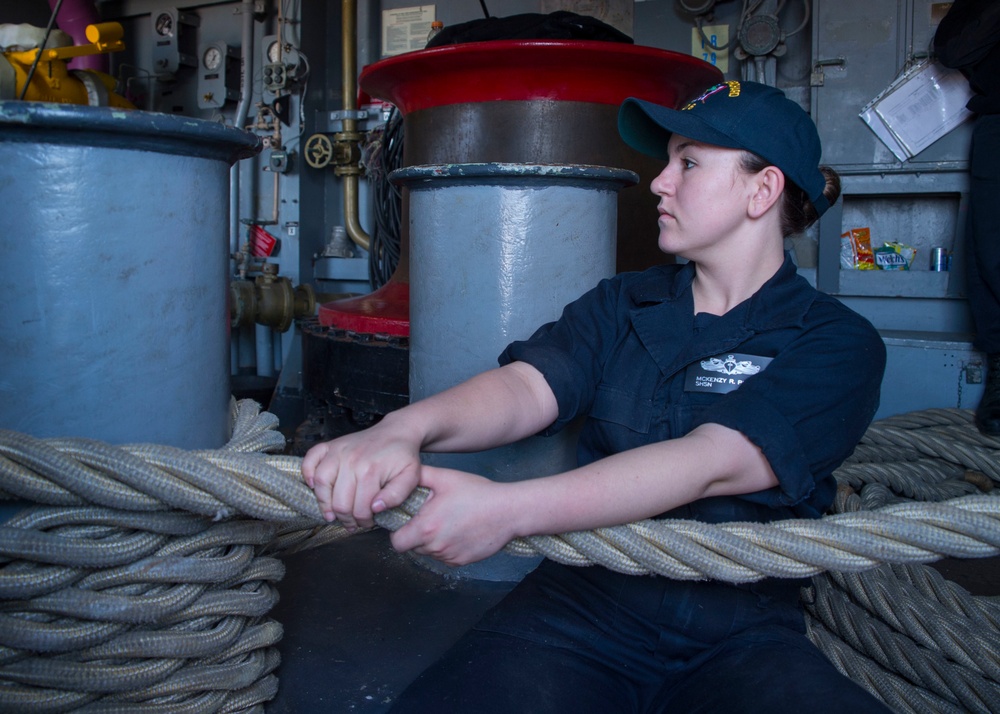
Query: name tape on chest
[723, 373]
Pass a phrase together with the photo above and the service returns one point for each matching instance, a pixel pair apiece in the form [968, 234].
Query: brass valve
[343, 152]
[269, 300]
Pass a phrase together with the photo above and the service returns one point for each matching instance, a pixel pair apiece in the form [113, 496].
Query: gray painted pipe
[496, 250]
[240, 119]
[114, 244]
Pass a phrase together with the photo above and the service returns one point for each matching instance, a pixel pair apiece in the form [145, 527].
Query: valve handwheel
[319, 151]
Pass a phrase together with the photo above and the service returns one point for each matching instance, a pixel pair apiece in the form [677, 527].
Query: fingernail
[328, 515]
[378, 506]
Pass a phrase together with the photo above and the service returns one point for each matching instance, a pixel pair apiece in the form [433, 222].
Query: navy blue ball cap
[737, 115]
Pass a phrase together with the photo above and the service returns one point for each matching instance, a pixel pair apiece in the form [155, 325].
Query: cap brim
[647, 128]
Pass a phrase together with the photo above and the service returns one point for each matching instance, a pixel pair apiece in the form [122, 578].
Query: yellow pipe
[349, 42]
[351, 223]
[105, 37]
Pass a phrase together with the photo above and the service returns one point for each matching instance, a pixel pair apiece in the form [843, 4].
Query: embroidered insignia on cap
[732, 85]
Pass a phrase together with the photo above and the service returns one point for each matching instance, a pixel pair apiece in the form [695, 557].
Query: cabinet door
[866, 39]
[860, 47]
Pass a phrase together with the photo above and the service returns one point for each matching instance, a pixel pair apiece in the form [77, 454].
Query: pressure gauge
[219, 78]
[164, 25]
[274, 52]
[174, 40]
[212, 58]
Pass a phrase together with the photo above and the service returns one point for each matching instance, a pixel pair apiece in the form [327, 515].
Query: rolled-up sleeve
[812, 404]
[570, 352]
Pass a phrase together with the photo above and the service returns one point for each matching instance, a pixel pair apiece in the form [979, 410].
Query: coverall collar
[664, 315]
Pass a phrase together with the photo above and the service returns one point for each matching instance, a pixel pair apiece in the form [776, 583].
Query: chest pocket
[622, 407]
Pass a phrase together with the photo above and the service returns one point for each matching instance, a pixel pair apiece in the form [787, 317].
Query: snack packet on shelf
[894, 256]
[856, 250]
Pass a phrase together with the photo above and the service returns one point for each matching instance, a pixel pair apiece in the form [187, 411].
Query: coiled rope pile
[142, 579]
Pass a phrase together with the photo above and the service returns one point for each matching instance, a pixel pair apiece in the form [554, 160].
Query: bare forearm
[366, 472]
[469, 517]
[493, 408]
[640, 483]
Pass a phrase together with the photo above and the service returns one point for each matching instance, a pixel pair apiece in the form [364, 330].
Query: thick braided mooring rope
[142, 581]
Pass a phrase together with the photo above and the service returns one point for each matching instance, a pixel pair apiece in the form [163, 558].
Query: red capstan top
[507, 70]
[563, 70]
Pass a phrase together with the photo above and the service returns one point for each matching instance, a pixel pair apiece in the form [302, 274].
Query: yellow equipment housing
[53, 81]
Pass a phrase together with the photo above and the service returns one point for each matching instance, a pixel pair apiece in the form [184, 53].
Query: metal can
[940, 258]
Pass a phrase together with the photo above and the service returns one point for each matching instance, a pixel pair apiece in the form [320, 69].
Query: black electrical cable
[383, 254]
[45, 41]
[486, 12]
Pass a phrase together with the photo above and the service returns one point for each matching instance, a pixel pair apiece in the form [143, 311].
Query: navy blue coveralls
[792, 369]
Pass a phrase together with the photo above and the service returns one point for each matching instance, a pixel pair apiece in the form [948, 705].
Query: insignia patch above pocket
[723, 373]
